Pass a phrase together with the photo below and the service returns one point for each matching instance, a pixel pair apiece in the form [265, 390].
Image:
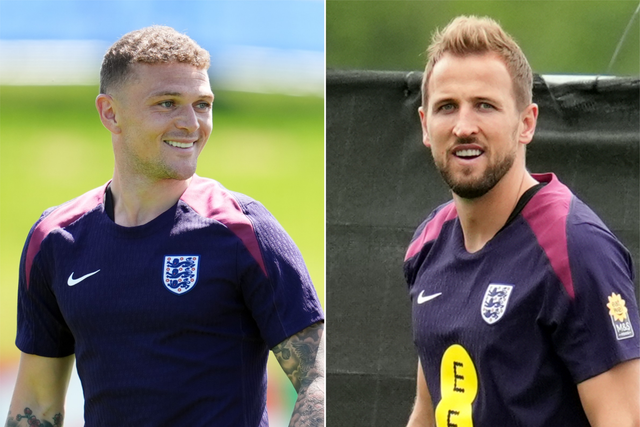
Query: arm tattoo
[297, 354]
[33, 421]
[302, 359]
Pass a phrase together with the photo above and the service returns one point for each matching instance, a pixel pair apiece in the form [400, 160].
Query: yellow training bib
[458, 387]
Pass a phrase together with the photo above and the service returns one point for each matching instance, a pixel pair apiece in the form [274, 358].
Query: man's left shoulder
[588, 237]
[212, 200]
[555, 207]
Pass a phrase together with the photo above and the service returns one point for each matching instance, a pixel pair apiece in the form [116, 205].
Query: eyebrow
[438, 101]
[441, 100]
[160, 94]
[486, 99]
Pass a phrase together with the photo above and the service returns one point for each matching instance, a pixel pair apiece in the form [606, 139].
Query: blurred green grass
[54, 148]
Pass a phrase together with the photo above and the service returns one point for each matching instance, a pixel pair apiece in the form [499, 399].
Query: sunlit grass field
[54, 148]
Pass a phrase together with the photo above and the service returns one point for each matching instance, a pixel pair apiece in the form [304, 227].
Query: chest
[485, 300]
[149, 284]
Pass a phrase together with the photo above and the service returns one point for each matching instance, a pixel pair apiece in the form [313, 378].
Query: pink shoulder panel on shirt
[432, 229]
[209, 199]
[61, 217]
[547, 214]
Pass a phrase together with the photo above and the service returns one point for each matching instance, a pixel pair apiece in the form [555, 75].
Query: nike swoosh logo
[72, 282]
[422, 299]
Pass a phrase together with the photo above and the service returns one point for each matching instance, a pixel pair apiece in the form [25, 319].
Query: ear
[107, 112]
[528, 121]
[425, 134]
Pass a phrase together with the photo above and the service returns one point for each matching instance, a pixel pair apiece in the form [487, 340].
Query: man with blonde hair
[523, 303]
[167, 288]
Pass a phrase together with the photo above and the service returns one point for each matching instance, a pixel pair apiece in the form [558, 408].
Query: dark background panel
[368, 318]
[355, 400]
[381, 183]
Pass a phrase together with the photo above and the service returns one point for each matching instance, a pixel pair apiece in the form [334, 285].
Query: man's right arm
[422, 414]
[40, 391]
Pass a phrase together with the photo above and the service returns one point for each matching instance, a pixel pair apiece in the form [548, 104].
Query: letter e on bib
[495, 301]
[180, 273]
[458, 388]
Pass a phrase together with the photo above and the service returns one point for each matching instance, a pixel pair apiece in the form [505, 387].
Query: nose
[466, 124]
[188, 119]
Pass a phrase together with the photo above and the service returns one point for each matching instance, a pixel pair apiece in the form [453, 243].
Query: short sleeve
[280, 296]
[42, 329]
[599, 327]
[423, 239]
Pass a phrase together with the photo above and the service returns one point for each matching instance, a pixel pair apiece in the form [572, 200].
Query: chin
[183, 176]
[471, 187]
[180, 174]
[470, 192]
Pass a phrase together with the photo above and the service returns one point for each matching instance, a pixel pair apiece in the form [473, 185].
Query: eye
[166, 104]
[446, 107]
[486, 106]
[203, 105]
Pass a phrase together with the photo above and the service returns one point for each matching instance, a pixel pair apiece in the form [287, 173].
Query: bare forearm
[309, 408]
[419, 419]
[422, 414]
[39, 394]
[52, 417]
[302, 359]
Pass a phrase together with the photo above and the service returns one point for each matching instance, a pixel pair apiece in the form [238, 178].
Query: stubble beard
[164, 171]
[473, 188]
[158, 168]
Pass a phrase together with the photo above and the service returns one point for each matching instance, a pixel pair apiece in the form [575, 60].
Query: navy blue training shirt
[171, 321]
[505, 334]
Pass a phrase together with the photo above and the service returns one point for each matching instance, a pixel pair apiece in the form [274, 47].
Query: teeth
[180, 144]
[468, 153]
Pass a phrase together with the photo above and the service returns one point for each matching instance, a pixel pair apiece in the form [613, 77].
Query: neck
[138, 201]
[482, 218]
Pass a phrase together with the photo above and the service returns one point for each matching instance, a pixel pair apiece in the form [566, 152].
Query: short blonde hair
[466, 35]
[151, 45]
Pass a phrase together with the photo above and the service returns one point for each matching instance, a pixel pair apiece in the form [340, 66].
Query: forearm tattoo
[309, 408]
[297, 354]
[27, 419]
[303, 362]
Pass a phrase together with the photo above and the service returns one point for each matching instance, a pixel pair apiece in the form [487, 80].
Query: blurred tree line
[558, 37]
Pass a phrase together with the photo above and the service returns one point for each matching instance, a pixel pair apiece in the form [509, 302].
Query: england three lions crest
[180, 273]
[495, 302]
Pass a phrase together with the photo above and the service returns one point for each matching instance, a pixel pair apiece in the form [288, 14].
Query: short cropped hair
[151, 45]
[467, 35]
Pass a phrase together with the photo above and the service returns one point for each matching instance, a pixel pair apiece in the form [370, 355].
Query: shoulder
[60, 217]
[212, 200]
[67, 213]
[595, 252]
[240, 214]
[556, 208]
[567, 230]
[552, 202]
[430, 228]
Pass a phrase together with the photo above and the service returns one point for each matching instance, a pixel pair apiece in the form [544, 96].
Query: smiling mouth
[179, 144]
[470, 153]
